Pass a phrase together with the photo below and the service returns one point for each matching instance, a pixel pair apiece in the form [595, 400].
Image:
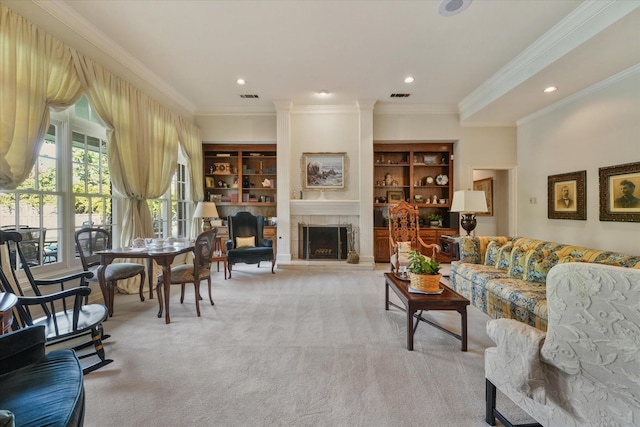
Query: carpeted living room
[284, 142]
[296, 348]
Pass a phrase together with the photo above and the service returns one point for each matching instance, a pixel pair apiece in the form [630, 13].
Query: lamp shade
[469, 201]
[206, 210]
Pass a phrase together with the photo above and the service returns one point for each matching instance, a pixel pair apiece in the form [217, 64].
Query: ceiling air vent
[400, 95]
[249, 96]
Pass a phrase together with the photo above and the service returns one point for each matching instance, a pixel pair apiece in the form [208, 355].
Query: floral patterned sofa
[506, 277]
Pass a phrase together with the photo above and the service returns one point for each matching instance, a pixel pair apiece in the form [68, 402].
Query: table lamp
[206, 211]
[468, 203]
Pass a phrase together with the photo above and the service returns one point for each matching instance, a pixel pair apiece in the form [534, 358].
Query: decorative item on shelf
[429, 160]
[468, 203]
[211, 169]
[435, 220]
[207, 211]
[267, 183]
[245, 182]
[222, 168]
[434, 199]
[429, 180]
[442, 179]
[418, 198]
[424, 273]
[388, 180]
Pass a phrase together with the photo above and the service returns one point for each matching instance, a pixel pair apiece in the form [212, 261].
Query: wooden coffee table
[447, 300]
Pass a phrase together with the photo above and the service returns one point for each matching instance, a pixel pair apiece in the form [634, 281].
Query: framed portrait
[324, 171]
[619, 193]
[210, 181]
[566, 196]
[485, 185]
[395, 196]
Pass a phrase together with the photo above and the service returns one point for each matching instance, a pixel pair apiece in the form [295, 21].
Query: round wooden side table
[7, 302]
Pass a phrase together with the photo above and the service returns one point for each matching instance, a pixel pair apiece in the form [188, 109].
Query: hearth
[324, 242]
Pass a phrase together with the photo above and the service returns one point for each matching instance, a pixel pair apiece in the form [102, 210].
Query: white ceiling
[489, 62]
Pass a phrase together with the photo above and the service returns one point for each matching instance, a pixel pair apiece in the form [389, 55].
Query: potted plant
[434, 219]
[424, 273]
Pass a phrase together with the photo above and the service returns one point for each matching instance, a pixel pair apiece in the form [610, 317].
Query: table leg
[410, 314]
[166, 284]
[151, 277]
[386, 295]
[463, 319]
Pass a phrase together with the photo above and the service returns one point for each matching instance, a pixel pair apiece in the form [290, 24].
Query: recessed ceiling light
[241, 81]
[452, 7]
[323, 93]
[409, 79]
[550, 89]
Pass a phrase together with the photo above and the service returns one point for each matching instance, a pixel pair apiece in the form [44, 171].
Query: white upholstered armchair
[585, 370]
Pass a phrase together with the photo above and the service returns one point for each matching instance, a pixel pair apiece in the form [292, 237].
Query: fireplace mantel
[324, 207]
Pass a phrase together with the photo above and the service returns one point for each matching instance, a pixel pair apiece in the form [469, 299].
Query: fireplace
[323, 241]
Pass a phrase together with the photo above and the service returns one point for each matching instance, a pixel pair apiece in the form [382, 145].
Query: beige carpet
[297, 348]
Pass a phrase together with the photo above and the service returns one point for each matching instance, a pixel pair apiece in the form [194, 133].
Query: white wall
[596, 128]
[237, 129]
[326, 132]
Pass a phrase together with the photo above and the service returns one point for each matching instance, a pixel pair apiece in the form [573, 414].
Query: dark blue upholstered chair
[246, 242]
[38, 389]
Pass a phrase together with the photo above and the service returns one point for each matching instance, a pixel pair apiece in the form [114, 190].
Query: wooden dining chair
[91, 240]
[200, 270]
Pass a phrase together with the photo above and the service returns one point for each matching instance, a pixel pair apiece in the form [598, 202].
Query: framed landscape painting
[619, 193]
[324, 171]
[566, 196]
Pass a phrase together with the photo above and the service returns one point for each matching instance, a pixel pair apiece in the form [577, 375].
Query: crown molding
[325, 109]
[60, 11]
[387, 108]
[237, 111]
[629, 72]
[587, 20]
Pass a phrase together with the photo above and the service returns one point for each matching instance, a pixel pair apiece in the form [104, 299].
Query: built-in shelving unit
[419, 173]
[241, 177]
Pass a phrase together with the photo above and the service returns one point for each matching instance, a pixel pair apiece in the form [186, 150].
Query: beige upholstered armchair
[585, 370]
[404, 235]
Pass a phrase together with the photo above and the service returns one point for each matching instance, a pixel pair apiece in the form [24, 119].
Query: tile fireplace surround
[322, 212]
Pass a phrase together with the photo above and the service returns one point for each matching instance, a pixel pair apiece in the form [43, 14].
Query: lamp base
[468, 222]
[206, 224]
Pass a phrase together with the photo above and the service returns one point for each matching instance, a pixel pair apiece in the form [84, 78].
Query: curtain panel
[190, 142]
[36, 72]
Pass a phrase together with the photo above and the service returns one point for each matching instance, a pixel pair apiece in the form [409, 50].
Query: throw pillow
[246, 242]
[493, 248]
[503, 259]
[404, 247]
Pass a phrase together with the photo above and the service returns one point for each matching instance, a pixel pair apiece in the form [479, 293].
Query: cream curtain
[142, 146]
[190, 142]
[36, 72]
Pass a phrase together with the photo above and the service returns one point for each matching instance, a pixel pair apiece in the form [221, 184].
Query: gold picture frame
[619, 200]
[486, 185]
[395, 196]
[324, 171]
[567, 196]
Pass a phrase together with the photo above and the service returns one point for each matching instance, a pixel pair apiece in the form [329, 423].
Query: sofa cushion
[517, 299]
[46, 393]
[404, 248]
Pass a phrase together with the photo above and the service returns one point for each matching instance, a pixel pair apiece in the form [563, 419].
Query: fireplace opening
[323, 241]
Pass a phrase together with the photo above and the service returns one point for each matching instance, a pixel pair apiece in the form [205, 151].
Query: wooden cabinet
[419, 173]
[429, 235]
[241, 178]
